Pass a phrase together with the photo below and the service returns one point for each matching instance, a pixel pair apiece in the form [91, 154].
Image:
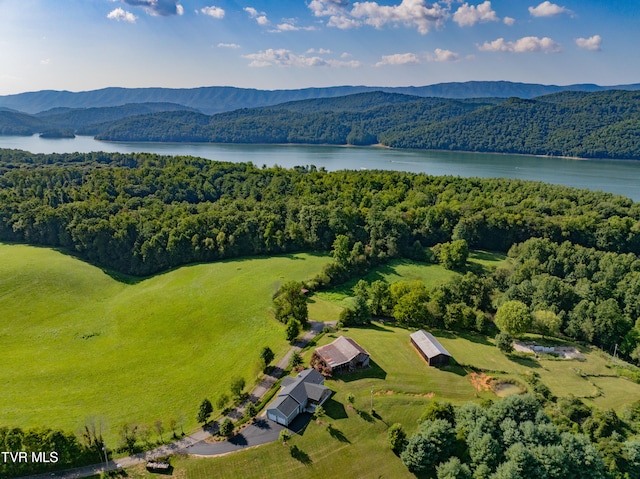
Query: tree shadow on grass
[523, 361]
[373, 372]
[335, 410]
[365, 415]
[300, 456]
[336, 433]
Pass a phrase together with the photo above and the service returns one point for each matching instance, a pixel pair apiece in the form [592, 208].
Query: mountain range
[218, 99]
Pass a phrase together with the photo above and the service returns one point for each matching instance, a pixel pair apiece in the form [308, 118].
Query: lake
[621, 177]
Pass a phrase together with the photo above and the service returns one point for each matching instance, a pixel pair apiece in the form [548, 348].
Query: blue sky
[87, 44]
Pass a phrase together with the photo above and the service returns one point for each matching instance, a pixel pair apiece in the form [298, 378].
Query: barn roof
[340, 351]
[428, 344]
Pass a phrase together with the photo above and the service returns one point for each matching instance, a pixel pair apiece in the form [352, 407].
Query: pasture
[79, 345]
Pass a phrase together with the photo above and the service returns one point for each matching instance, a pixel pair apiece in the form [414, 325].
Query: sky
[80, 45]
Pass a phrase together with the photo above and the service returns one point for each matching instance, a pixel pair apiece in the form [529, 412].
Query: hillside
[591, 125]
[130, 351]
[219, 99]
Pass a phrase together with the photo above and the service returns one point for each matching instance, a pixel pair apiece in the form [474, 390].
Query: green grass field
[78, 344]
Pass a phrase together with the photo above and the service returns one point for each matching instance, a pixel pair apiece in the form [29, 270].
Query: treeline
[516, 438]
[142, 213]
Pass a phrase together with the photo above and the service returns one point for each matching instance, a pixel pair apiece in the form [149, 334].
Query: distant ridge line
[217, 99]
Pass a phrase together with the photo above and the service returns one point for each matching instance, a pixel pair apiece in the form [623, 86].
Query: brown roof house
[344, 354]
[303, 393]
[430, 349]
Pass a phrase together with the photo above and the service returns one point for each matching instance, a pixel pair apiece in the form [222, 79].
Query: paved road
[195, 443]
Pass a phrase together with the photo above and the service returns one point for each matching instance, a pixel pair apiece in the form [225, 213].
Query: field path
[198, 438]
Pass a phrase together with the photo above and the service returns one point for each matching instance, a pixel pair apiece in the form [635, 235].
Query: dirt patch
[481, 382]
[384, 393]
[426, 395]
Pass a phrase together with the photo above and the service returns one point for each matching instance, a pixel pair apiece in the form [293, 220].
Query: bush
[504, 342]
[226, 428]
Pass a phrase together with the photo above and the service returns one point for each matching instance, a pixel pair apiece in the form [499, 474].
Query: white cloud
[548, 9]
[411, 13]
[326, 8]
[121, 15]
[46, 61]
[228, 45]
[321, 51]
[441, 55]
[342, 22]
[468, 15]
[259, 17]
[399, 59]
[286, 58]
[592, 43]
[212, 11]
[162, 8]
[523, 45]
[509, 21]
[290, 27]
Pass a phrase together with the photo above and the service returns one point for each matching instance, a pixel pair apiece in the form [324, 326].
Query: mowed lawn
[77, 344]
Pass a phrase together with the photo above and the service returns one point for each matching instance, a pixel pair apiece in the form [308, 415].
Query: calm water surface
[621, 177]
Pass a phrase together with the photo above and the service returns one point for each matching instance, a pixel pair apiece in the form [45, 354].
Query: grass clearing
[78, 344]
[616, 392]
[406, 270]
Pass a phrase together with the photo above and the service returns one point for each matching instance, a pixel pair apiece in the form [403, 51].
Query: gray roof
[309, 384]
[340, 351]
[428, 344]
[285, 404]
[315, 391]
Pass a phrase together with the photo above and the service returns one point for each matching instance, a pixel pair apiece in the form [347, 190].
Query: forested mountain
[219, 99]
[354, 119]
[85, 119]
[577, 124]
[590, 125]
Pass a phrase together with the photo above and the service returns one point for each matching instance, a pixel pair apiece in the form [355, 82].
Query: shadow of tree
[336, 433]
[334, 409]
[300, 456]
[522, 361]
[366, 416]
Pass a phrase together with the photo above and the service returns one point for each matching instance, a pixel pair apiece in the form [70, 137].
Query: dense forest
[142, 213]
[590, 125]
[574, 252]
[519, 437]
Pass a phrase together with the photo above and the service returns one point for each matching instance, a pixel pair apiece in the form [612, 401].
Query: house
[303, 393]
[343, 354]
[430, 349]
